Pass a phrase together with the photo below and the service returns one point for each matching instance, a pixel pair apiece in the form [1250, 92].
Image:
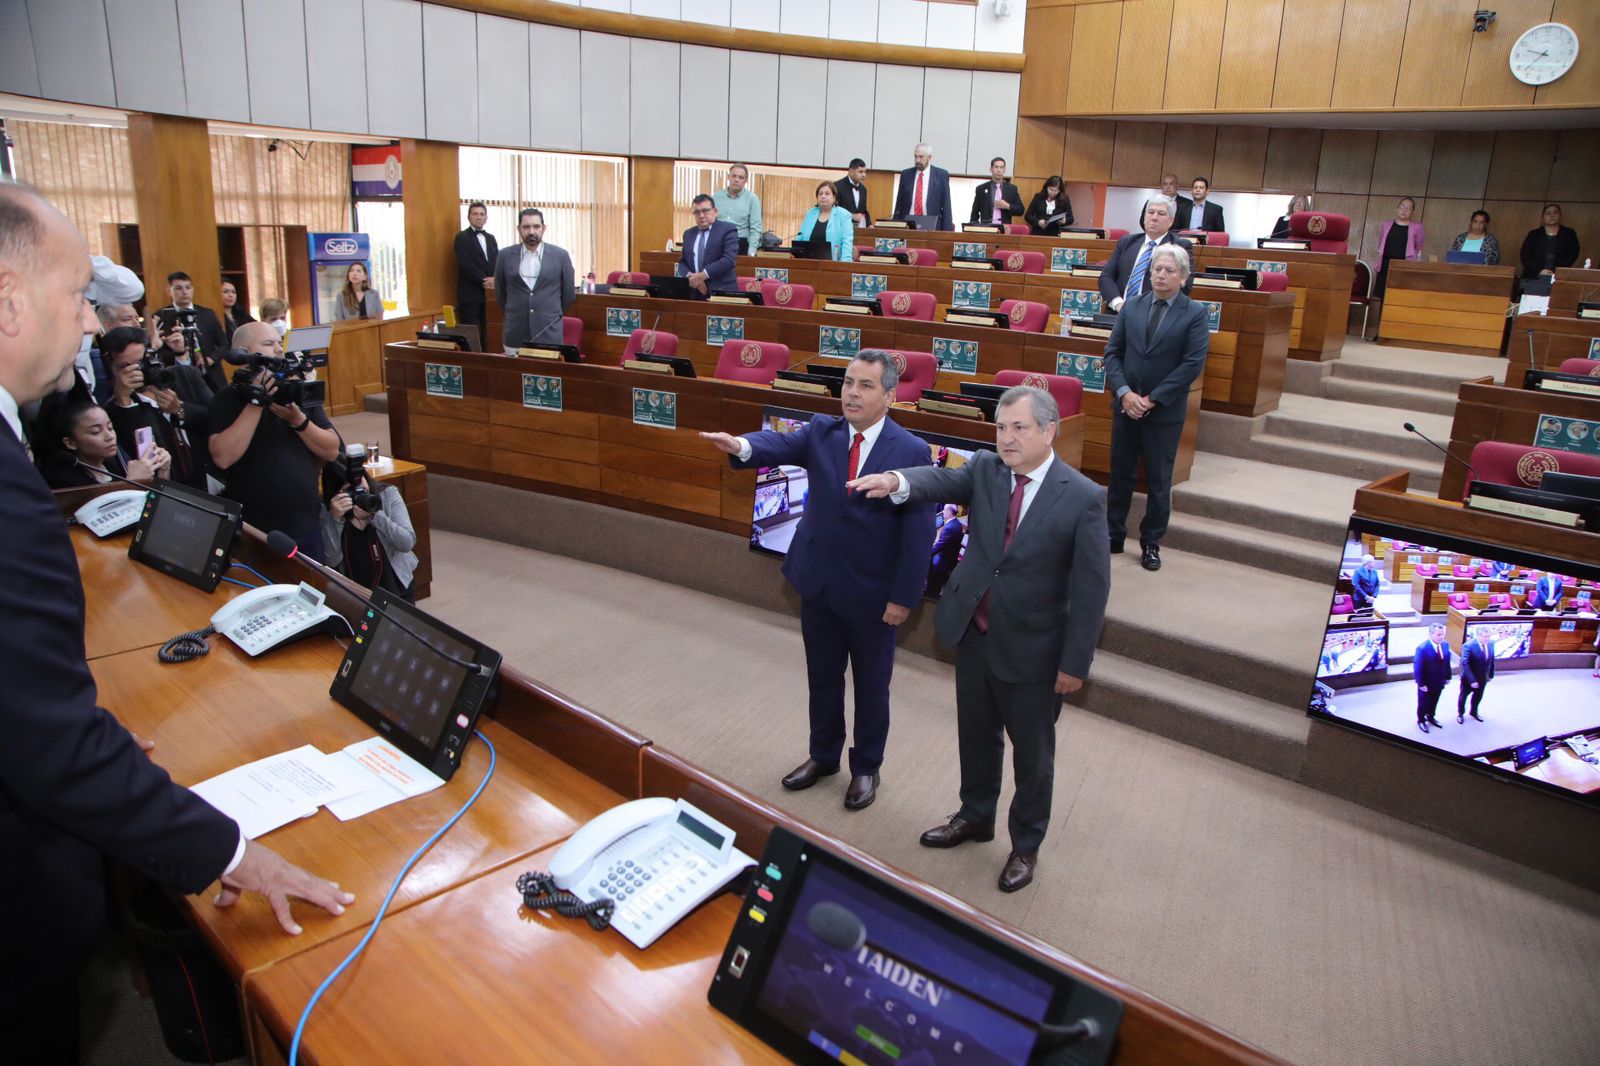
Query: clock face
[1544, 53]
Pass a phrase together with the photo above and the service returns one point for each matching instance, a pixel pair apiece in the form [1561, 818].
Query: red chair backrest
[749, 284]
[1208, 237]
[1273, 281]
[1459, 600]
[1427, 569]
[1342, 604]
[1500, 599]
[572, 333]
[1018, 228]
[1503, 463]
[908, 305]
[1326, 231]
[1026, 315]
[1067, 391]
[1116, 234]
[918, 371]
[1466, 571]
[1589, 367]
[783, 294]
[922, 257]
[1022, 262]
[650, 342]
[753, 361]
[627, 277]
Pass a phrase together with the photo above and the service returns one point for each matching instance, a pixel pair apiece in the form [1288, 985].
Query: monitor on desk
[671, 287]
[186, 534]
[1471, 258]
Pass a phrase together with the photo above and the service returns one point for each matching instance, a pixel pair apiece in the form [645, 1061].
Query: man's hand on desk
[265, 871]
[148, 745]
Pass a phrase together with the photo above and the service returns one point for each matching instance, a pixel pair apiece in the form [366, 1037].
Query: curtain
[85, 171]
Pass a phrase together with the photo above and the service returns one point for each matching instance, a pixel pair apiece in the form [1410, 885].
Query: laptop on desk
[671, 287]
[1474, 258]
[822, 249]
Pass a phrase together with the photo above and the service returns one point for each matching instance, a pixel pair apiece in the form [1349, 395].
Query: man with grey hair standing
[1155, 352]
[1023, 611]
[858, 564]
[924, 191]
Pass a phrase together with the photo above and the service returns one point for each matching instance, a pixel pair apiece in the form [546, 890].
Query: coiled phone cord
[539, 893]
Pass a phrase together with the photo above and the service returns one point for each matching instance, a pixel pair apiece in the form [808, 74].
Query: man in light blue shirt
[740, 206]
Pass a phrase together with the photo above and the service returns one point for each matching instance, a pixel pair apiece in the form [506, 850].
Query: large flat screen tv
[1439, 592]
[780, 499]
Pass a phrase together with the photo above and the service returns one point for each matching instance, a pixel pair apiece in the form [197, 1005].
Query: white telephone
[112, 512]
[657, 858]
[266, 617]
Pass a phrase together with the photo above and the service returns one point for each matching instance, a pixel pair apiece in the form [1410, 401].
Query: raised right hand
[725, 442]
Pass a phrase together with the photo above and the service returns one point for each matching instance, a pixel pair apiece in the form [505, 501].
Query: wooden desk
[1447, 307]
[1573, 285]
[1495, 412]
[128, 606]
[1548, 636]
[1562, 768]
[1543, 342]
[355, 356]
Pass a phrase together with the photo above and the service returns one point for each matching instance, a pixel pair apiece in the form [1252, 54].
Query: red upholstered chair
[783, 294]
[1503, 463]
[922, 257]
[918, 371]
[1026, 315]
[1460, 601]
[1116, 234]
[919, 305]
[1501, 600]
[1022, 262]
[1211, 238]
[1427, 570]
[1486, 569]
[1589, 367]
[1273, 281]
[1326, 231]
[650, 342]
[1067, 392]
[865, 248]
[1361, 293]
[1342, 604]
[752, 361]
[1018, 228]
[1466, 571]
[572, 333]
[748, 284]
[627, 277]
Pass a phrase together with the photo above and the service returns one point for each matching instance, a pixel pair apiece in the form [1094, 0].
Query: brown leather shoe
[863, 790]
[1018, 872]
[807, 774]
[956, 831]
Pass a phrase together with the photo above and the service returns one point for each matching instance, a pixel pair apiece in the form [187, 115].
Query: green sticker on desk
[622, 321]
[958, 357]
[1213, 314]
[838, 342]
[971, 294]
[1579, 435]
[652, 407]
[868, 286]
[1062, 260]
[1272, 266]
[721, 329]
[888, 244]
[778, 274]
[443, 379]
[1080, 303]
[541, 391]
[971, 250]
[1089, 369]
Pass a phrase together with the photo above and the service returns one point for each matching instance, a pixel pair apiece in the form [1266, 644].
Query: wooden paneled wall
[432, 195]
[171, 160]
[1360, 173]
[1153, 56]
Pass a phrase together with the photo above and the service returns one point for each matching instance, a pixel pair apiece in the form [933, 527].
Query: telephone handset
[657, 858]
[264, 618]
[112, 512]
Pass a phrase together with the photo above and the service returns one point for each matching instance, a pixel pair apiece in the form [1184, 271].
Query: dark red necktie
[980, 617]
[916, 204]
[855, 456]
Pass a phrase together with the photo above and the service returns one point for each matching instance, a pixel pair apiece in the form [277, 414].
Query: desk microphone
[152, 488]
[1409, 428]
[280, 543]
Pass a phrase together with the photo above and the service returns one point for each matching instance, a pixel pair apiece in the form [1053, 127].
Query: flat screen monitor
[311, 339]
[186, 534]
[1369, 675]
[1532, 753]
[822, 249]
[669, 287]
[781, 492]
[1472, 258]
[681, 366]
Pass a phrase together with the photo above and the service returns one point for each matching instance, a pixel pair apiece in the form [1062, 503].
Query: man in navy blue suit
[1477, 670]
[858, 564]
[710, 257]
[75, 786]
[924, 190]
[1365, 582]
[1430, 668]
[1547, 592]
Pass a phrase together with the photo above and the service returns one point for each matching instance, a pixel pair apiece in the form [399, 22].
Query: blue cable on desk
[241, 584]
[253, 570]
[300, 1026]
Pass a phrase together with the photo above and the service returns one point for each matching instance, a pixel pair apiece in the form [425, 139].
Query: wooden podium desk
[1486, 411]
[1573, 285]
[1543, 342]
[1447, 307]
[355, 356]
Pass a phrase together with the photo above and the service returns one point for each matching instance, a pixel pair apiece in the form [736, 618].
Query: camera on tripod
[355, 470]
[288, 371]
[157, 375]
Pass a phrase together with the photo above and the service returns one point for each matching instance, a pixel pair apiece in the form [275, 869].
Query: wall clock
[1544, 53]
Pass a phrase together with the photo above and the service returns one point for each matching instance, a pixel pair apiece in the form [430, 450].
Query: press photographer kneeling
[270, 437]
[367, 528]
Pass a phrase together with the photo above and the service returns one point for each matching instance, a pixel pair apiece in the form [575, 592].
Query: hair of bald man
[21, 226]
[246, 335]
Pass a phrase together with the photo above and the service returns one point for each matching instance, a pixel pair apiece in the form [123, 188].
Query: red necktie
[916, 203]
[980, 617]
[855, 456]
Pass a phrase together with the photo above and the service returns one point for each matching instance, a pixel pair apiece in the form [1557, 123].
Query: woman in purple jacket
[1401, 239]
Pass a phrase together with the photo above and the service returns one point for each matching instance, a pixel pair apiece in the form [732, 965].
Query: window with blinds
[584, 199]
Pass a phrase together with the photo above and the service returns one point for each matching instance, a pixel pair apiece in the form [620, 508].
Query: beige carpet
[1322, 931]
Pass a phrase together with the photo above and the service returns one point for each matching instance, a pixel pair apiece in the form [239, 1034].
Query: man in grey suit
[1023, 611]
[1156, 350]
[534, 283]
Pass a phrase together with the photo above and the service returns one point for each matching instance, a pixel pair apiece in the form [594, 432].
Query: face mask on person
[281, 325]
[81, 360]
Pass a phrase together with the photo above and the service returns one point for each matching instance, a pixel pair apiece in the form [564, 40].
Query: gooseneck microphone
[280, 543]
[1472, 474]
[113, 475]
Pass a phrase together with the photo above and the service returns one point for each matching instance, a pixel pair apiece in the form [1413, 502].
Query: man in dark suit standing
[1023, 611]
[1430, 668]
[924, 190]
[859, 565]
[1365, 582]
[535, 285]
[209, 339]
[997, 199]
[1547, 592]
[946, 549]
[1477, 670]
[1155, 352]
[476, 252]
[77, 788]
[850, 192]
[710, 258]
[1200, 213]
[1127, 273]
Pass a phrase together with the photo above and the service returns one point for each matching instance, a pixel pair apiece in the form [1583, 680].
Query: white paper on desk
[388, 774]
[277, 790]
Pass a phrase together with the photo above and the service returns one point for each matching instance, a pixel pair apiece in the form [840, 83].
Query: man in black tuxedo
[1477, 670]
[997, 199]
[850, 193]
[76, 786]
[475, 257]
[1155, 352]
[1430, 669]
[1127, 273]
[1201, 213]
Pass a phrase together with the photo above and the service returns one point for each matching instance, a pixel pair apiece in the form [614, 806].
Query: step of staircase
[1413, 367]
[1267, 498]
[1311, 560]
[1409, 398]
[1362, 464]
[1356, 425]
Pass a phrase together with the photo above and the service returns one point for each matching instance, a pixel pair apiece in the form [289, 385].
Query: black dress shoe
[863, 790]
[1116, 545]
[1475, 717]
[1150, 558]
[807, 774]
[1422, 726]
[1436, 723]
[1461, 719]
[1018, 871]
[956, 831]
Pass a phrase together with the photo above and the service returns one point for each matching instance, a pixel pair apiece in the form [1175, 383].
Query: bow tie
[477, 233]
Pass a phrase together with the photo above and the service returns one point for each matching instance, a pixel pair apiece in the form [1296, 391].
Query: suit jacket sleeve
[1116, 344]
[946, 213]
[911, 563]
[1174, 388]
[502, 279]
[569, 282]
[1222, 226]
[1417, 674]
[466, 263]
[776, 449]
[1111, 276]
[727, 260]
[982, 204]
[939, 484]
[1090, 587]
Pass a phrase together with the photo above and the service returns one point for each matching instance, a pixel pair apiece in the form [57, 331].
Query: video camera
[288, 371]
[355, 469]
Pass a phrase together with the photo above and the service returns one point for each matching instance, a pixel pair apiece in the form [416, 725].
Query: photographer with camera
[172, 349]
[145, 395]
[367, 528]
[207, 339]
[266, 447]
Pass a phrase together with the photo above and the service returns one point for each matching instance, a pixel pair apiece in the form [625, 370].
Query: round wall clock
[1544, 53]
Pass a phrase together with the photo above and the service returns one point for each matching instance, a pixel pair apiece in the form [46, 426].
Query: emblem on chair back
[1594, 371]
[902, 303]
[752, 284]
[784, 294]
[1019, 311]
[900, 363]
[1014, 261]
[1037, 381]
[647, 343]
[750, 354]
[1316, 225]
[1534, 465]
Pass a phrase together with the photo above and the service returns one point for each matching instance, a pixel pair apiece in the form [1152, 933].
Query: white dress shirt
[530, 265]
[869, 437]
